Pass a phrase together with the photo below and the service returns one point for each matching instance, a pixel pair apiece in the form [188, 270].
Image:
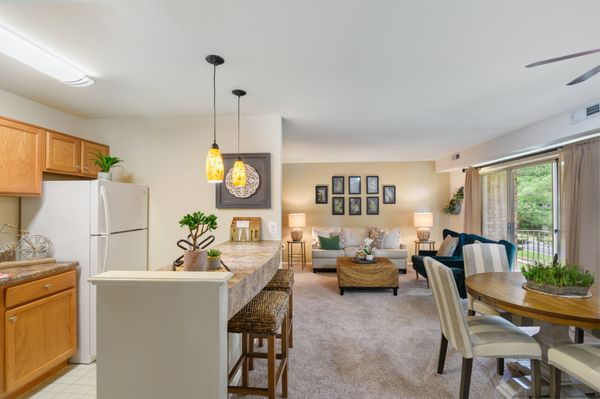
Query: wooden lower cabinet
[39, 336]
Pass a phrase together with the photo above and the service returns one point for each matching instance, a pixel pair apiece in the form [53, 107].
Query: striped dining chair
[476, 336]
[581, 361]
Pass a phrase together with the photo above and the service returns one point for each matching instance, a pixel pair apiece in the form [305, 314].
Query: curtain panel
[472, 203]
[580, 213]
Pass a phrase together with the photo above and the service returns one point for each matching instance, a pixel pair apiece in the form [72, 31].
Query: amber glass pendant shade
[238, 174]
[215, 170]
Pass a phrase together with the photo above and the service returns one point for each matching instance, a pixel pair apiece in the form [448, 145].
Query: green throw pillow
[332, 242]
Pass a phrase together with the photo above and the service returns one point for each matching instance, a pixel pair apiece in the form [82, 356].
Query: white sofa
[351, 238]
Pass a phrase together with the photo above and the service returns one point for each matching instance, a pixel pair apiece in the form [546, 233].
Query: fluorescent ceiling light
[28, 53]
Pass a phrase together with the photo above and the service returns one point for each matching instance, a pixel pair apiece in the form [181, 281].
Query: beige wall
[418, 189]
[168, 155]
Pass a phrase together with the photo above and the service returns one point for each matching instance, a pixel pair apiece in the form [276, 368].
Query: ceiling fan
[579, 79]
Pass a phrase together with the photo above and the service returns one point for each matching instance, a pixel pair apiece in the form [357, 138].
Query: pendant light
[238, 174]
[215, 170]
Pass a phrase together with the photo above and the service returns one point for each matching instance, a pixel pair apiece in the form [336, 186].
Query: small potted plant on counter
[214, 259]
[558, 279]
[198, 223]
[105, 163]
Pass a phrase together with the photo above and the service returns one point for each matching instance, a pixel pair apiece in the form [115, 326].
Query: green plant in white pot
[214, 259]
[198, 223]
[106, 163]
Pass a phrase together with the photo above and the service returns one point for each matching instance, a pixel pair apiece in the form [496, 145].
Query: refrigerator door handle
[106, 211]
[106, 246]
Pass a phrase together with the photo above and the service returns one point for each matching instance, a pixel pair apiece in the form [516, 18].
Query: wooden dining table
[554, 315]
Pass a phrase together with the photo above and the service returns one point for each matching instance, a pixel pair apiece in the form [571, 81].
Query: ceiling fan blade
[564, 57]
[585, 76]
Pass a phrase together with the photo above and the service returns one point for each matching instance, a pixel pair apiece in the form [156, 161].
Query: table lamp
[423, 220]
[297, 221]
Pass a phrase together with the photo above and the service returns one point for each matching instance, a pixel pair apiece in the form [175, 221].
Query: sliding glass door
[520, 204]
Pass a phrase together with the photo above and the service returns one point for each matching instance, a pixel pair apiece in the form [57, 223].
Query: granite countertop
[23, 274]
[253, 265]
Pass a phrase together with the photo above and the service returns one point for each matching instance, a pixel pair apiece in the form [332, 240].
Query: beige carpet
[371, 344]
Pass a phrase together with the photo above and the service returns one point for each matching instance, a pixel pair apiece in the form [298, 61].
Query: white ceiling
[354, 80]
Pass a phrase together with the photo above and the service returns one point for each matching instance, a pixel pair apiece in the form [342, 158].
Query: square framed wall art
[354, 206]
[354, 184]
[372, 205]
[337, 205]
[389, 194]
[321, 194]
[256, 194]
[337, 185]
[372, 184]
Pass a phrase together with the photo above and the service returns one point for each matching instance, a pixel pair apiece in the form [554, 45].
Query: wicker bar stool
[284, 281]
[262, 317]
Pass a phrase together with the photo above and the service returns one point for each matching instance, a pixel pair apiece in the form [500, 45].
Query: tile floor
[76, 381]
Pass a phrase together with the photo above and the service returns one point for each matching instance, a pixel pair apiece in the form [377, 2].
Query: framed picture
[389, 194]
[337, 206]
[354, 206]
[337, 185]
[372, 205]
[372, 184]
[256, 194]
[353, 184]
[321, 194]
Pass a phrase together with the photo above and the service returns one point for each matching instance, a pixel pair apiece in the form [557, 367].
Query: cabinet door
[39, 336]
[63, 153]
[88, 156]
[21, 159]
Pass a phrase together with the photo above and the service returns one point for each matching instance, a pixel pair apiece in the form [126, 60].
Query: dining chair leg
[555, 379]
[578, 335]
[442, 358]
[500, 366]
[465, 378]
[536, 378]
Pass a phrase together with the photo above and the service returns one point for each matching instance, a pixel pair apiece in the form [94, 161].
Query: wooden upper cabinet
[88, 156]
[38, 337]
[63, 153]
[21, 159]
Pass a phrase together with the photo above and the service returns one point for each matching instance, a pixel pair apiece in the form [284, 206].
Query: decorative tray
[363, 261]
[547, 290]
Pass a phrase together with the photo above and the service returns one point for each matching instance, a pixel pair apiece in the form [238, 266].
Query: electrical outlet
[272, 227]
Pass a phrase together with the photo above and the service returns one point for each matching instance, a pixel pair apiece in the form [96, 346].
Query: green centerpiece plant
[558, 279]
[198, 224]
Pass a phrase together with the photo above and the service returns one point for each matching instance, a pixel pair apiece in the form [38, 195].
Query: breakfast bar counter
[168, 329]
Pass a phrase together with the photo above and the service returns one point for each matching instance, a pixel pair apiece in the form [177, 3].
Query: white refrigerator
[101, 224]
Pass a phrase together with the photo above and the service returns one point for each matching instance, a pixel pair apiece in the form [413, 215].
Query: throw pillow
[323, 232]
[448, 246]
[376, 234]
[332, 242]
[354, 236]
[391, 239]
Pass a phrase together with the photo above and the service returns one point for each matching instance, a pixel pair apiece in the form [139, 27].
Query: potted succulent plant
[558, 279]
[105, 163]
[198, 223]
[214, 259]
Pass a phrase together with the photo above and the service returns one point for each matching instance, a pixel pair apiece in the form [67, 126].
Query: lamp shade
[215, 170]
[423, 219]
[297, 219]
[238, 174]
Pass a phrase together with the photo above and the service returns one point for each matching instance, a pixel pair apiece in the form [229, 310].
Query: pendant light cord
[215, 104]
[238, 126]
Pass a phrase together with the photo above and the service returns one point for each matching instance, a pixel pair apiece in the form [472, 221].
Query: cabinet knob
[77, 166]
[85, 168]
[13, 318]
[47, 286]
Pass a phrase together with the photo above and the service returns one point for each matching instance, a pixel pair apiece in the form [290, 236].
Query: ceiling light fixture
[30, 54]
[215, 170]
[238, 174]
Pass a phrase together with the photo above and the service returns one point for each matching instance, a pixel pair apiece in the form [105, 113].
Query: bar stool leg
[271, 372]
[284, 356]
[245, 362]
[291, 315]
[251, 350]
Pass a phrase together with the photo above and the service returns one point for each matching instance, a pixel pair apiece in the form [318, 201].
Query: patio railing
[534, 246]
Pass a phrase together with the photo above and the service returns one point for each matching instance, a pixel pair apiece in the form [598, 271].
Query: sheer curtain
[472, 202]
[581, 204]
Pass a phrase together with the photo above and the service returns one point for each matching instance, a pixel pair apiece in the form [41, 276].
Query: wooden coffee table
[382, 274]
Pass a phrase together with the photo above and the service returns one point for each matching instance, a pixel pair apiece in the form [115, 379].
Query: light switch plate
[272, 227]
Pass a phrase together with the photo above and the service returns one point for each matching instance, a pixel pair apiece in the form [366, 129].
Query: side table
[291, 255]
[418, 244]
